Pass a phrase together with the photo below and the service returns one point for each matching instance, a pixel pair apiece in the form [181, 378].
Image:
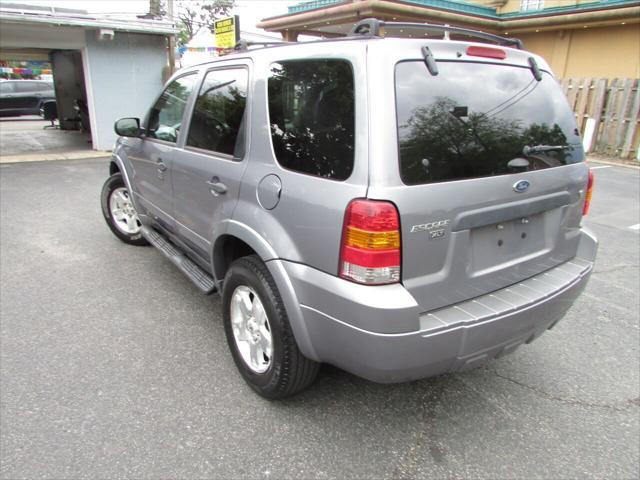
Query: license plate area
[503, 242]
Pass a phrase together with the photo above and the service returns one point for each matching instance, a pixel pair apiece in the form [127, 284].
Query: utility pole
[172, 40]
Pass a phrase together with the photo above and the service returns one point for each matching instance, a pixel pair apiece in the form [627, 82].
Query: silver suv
[396, 207]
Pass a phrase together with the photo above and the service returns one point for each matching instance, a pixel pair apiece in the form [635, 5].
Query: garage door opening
[115, 64]
[43, 102]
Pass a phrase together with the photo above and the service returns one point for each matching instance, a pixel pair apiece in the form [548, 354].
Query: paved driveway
[27, 135]
[113, 365]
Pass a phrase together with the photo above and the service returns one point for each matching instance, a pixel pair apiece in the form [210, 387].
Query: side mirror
[128, 127]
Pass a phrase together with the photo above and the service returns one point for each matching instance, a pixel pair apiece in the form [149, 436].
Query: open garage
[102, 68]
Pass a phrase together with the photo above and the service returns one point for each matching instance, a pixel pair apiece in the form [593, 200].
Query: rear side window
[218, 115]
[6, 87]
[478, 120]
[311, 116]
[26, 87]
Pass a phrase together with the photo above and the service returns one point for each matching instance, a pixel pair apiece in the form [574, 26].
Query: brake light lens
[487, 52]
[587, 197]
[370, 250]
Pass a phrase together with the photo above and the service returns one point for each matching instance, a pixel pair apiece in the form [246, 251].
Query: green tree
[194, 15]
[157, 9]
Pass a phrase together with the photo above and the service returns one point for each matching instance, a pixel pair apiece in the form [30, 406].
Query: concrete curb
[44, 157]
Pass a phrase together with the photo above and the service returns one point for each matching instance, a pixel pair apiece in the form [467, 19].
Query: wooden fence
[607, 113]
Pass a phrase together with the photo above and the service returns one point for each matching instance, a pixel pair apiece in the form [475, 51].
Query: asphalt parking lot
[113, 365]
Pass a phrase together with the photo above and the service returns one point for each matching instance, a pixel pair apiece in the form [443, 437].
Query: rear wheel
[119, 212]
[259, 334]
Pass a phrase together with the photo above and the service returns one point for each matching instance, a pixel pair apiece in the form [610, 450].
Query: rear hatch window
[477, 120]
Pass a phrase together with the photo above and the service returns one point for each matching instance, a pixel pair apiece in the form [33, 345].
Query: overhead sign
[227, 31]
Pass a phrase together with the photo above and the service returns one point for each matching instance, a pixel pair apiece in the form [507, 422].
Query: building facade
[579, 38]
[116, 66]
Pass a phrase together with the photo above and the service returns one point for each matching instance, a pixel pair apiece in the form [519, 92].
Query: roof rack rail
[371, 27]
[245, 44]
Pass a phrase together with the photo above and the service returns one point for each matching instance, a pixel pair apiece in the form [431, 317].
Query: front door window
[165, 118]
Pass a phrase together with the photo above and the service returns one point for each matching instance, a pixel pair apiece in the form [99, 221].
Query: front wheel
[119, 213]
[259, 334]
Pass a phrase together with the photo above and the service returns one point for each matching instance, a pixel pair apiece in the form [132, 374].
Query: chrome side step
[199, 277]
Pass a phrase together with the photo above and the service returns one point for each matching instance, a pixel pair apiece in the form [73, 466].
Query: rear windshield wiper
[530, 149]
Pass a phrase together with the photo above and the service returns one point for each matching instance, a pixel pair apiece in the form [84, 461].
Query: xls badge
[435, 229]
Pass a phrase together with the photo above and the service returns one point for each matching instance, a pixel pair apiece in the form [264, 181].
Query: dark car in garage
[24, 97]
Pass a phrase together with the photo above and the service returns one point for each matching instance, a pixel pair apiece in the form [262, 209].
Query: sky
[250, 11]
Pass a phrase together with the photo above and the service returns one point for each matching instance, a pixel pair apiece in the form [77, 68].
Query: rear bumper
[354, 327]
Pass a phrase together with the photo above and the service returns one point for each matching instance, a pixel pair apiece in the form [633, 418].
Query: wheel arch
[237, 240]
[227, 249]
[240, 239]
[116, 165]
[42, 102]
[113, 168]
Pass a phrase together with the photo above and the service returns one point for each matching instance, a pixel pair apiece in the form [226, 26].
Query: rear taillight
[370, 251]
[589, 194]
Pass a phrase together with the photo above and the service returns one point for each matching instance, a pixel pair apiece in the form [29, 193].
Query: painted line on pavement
[601, 166]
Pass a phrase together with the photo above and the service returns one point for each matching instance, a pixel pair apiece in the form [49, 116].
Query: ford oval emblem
[521, 186]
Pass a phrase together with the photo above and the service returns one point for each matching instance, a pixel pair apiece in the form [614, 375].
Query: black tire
[289, 371]
[114, 182]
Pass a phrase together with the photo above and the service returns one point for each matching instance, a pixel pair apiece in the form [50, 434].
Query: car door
[46, 91]
[7, 96]
[27, 96]
[208, 169]
[151, 156]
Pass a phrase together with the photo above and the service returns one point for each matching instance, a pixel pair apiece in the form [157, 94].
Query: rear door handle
[161, 165]
[216, 186]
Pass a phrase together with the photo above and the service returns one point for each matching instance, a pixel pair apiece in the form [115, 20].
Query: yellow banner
[227, 31]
